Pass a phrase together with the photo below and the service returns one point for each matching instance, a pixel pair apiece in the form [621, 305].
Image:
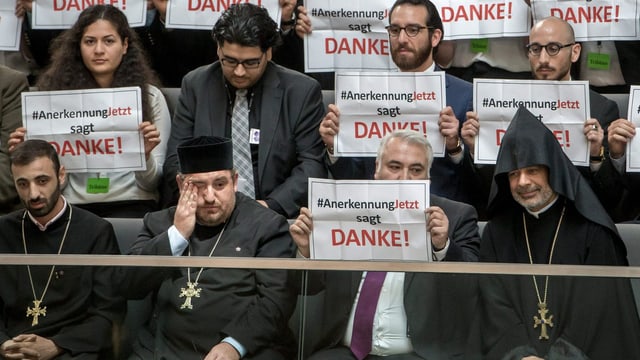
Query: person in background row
[61, 312]
[415, 32]
[12, 84]
[552, 50]
[175, 52]
[102, 51]
[271, 113]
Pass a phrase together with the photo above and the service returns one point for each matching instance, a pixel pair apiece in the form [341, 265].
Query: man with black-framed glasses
[270, 112]
[415, 31]
[552, 50]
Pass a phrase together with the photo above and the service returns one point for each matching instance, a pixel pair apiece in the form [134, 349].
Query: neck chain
[192, 290]
[37, 311]
[543, 320]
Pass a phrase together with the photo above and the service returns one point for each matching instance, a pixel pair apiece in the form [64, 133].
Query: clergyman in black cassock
[199, 311]
[580, 318]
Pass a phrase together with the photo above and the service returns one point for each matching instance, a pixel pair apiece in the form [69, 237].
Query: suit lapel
[218, 104]
[270, 108]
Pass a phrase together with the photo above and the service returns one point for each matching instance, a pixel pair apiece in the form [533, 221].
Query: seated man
[217, 313]
[414, 316]
[271, 113]
[542, 211]
[70, 310]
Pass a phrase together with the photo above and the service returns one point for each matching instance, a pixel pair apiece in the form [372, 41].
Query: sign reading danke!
[92, 130]
[464, 19]
[203, 14]
[62, 14]
[563, 106]
[594, 19]
[348, 35]
[373, 104]
[369, 220]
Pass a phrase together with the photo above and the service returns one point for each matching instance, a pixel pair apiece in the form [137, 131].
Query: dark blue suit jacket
[445, 175]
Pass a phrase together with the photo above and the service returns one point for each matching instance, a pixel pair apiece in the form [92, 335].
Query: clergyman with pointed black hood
[542, 211]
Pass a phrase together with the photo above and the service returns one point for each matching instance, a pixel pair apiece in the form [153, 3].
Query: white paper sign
[347, 35]
[203, 14]
[62, 14]
[633, 146]
[594, 19]
[563, 106]
[92, 130]
[464, 19]
[373, 104]
[10, 26]
[369, 220]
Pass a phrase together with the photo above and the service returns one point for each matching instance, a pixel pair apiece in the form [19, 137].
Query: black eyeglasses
[552, 48]
[232, 63]
[410, 30]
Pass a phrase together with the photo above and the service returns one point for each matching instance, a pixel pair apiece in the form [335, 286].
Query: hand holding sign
[151, 137]
[301, 230]
[330, 126]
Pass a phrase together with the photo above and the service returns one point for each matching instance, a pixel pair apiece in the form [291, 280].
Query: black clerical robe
[81, 301]
[593, 318]
[251, 306]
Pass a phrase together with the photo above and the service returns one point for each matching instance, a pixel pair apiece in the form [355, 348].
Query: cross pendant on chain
[543, 321]
[36, 311]
[190, 292]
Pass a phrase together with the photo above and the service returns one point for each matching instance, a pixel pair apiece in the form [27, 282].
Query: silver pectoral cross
[543, 321]
[189, 292]
[36, 311]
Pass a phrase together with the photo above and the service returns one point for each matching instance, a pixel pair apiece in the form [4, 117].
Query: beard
[412, 60]
[49, 203]
[536, 203]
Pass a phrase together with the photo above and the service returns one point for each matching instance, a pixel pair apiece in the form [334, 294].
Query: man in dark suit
[418, 316]
[552, 50]
[211, 313]
[12, 84]
[412, 52]
[285, 109]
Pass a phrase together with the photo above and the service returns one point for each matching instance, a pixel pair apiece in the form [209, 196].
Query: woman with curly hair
[102, 51]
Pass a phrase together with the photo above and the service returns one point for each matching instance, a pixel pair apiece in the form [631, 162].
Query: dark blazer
[439, 307]
[12, 84]
[446, 180]
[286, 105]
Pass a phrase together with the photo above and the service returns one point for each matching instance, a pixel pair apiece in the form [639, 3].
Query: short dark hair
[28, 151]
[246, 24]
[433, 16]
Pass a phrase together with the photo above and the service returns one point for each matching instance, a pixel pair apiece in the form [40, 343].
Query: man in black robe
[213, 313]
[52, 312]
[543, 211]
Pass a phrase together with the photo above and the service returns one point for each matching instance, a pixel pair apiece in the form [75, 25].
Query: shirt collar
[536, 214]
[58, 216]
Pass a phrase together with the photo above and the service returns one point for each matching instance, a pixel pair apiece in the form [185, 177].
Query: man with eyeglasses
[415, 31]
[270, 112]
[552, 50]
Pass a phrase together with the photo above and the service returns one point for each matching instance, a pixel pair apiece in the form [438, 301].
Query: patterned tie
[365, 311]
[241, 146]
